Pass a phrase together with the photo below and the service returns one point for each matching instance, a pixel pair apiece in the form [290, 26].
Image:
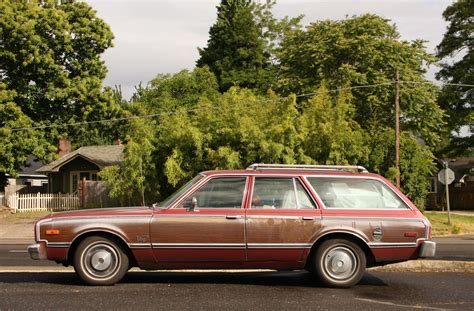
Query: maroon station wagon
[331, 220]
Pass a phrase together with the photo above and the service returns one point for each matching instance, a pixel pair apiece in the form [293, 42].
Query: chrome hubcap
[100, 260]
[340, 263]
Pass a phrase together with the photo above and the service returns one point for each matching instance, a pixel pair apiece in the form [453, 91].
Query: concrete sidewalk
[19, 233]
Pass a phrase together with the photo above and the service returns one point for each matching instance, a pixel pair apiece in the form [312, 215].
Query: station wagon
[331, 220]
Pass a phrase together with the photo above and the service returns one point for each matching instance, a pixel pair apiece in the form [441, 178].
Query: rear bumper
[37, 251]
[427, 249]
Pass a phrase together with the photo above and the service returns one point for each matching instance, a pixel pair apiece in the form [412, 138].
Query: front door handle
[233, 217]
[308, 218]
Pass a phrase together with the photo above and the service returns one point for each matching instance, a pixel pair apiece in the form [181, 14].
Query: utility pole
[397, 127]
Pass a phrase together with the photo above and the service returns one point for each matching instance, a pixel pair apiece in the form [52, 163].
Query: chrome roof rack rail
[356, 168]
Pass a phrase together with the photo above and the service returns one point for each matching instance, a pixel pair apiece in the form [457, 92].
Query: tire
[100, 261]
[339, 263]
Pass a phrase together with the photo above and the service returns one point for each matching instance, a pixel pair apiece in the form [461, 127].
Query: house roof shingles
[101, 156]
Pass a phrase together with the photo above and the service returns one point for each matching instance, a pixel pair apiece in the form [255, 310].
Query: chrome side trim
[100, 216]
[279, 245]
[139, 245]
[38, 226]
[391, 245]
[272, 217]
[198, 245]
[58, 244]
[194, 215]
[371, 218]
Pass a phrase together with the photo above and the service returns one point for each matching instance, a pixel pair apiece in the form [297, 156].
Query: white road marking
[399, 305]
[18, 251]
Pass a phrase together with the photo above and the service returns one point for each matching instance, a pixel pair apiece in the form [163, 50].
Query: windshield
[180, 191]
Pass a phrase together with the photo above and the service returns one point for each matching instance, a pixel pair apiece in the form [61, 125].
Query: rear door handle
[308, 218]
[233, 217]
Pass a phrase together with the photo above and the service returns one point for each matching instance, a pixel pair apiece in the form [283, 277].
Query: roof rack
[357, 168]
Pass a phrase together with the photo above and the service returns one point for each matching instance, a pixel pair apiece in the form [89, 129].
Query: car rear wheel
[339, 263]
[100, 261]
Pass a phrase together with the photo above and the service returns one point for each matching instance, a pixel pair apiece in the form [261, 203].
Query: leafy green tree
[332, 136]
[50, 55]
[167, 92]
[240, 47]
[363, 50]
[132, 182]
[50, 65]
[16, 146]
[458, 101]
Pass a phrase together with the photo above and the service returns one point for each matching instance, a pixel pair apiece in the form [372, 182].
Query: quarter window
[219, 193]
[280, 193]
[355, 193]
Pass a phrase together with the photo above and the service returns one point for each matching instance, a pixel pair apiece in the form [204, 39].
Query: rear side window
[280, 193]
[355, 193]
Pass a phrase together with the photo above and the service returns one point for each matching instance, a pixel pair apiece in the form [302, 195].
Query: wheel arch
[350, 236]
[114, 236]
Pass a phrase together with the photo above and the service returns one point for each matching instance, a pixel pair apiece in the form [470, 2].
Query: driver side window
[219, 193]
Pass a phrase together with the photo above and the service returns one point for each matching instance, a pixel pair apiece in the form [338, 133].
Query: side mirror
[194, 205]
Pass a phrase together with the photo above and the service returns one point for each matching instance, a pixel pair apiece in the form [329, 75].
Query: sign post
[446, 177]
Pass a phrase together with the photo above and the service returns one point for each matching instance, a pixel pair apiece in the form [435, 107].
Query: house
[461, 190]
[65, 173]
[28, 180]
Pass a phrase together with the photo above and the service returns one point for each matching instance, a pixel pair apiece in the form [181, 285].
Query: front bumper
[427, 249]
[37, 251]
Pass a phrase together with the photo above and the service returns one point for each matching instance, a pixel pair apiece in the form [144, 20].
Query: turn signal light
[52, 232]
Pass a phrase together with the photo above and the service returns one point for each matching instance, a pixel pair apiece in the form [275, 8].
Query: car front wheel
[100, 261]
[339, 263]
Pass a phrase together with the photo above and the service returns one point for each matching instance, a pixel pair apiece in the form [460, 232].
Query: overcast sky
[162, 36]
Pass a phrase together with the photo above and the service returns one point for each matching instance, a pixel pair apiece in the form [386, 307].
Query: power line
[345, 89]
[199, 109]
[441, 84]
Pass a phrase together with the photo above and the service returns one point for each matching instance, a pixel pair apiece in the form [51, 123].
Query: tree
[167, 92]
[240, 47]
[16, 146]
[132, 182]
[363, 50]
[458, 101]
[50, 65]
[50, 55]
[331, 135]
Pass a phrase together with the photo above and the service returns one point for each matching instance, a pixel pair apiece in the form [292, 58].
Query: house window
[74, 183]
[78, 176]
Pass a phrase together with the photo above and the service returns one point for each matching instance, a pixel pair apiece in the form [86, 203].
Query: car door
[212, 232]
[281, 220]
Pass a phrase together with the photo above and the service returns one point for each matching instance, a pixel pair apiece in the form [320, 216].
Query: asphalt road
[455, 248]
[448, 248]
[237, 291]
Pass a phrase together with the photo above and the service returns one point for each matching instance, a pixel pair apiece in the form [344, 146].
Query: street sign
[442, 176]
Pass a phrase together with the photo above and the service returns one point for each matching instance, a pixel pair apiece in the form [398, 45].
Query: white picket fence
[31, 202]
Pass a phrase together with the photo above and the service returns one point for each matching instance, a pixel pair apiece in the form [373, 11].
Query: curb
[17, 241]
[427, 266]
